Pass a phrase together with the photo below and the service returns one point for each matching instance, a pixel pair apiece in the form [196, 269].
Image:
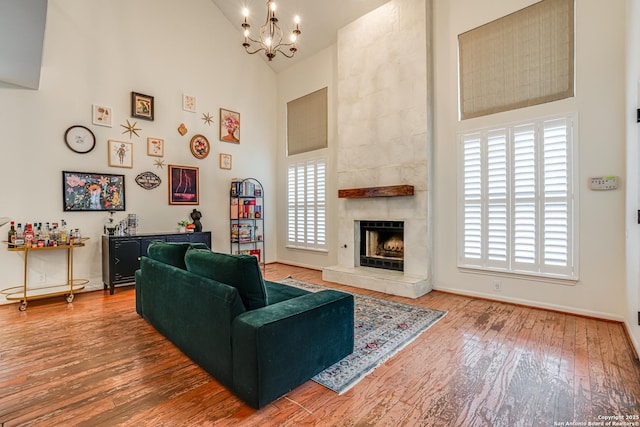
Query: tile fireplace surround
[383, 142]
[413, 281]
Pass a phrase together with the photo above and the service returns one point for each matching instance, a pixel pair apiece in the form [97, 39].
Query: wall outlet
[497, 286]
[42, 278]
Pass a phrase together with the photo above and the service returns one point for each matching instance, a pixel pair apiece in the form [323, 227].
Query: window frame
[543, 268]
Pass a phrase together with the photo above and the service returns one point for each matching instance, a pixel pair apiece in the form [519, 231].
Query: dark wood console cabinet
[121, 254]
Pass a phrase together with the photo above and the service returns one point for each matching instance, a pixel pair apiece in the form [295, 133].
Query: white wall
[305, 77]
[633, 171]
[600, 102]
[98, 52]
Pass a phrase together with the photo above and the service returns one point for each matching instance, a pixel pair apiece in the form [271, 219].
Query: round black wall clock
[80, 139]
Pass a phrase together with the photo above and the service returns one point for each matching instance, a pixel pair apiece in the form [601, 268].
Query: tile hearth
[376, 279]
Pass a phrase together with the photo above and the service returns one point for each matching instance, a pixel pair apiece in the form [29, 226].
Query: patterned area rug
[382, 329]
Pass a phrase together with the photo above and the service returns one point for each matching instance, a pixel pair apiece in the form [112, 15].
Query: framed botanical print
[155, 147]
[183, 185]
[101, 115]
[141, 106]
[225, 161]
[189, 103]
[229, 126]
[120, 154]
[199, 146]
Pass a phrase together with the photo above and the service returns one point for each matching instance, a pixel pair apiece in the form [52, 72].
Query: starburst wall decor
[131, 128]
[207, 118]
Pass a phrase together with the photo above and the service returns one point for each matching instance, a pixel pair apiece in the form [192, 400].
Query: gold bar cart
[22, 292]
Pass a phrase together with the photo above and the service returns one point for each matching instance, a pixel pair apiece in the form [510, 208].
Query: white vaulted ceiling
[320, 21]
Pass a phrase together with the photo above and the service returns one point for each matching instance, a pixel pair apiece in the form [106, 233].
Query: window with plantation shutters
[306, 199]
[517, 205]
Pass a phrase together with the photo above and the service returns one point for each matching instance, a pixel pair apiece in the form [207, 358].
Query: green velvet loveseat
[260, 339]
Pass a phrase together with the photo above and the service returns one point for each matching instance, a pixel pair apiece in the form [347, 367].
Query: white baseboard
[534, 304]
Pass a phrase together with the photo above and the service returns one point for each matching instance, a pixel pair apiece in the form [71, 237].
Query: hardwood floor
[97, 363]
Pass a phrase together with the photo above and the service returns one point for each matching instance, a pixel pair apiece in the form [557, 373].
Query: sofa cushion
[240, 271]
[172, 253]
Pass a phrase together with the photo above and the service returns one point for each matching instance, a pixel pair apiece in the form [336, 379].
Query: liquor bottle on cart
[11, 238]
[19, 235]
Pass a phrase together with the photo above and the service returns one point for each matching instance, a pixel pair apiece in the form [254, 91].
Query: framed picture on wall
[189, 103]
[90, 191]
[101, 115]
[141, 106]
[229, 126]
[155, 147]
[120, 154]
[183, 185]
[225, 161]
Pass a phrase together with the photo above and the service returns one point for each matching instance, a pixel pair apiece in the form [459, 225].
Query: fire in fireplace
[382, 244]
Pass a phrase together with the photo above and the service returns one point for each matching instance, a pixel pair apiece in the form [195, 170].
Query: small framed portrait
[141, 106]
[101, 115]
[189, 103]
[225, 161]
[155, 147]
[120, 154]
[229, 126]
[183, 185]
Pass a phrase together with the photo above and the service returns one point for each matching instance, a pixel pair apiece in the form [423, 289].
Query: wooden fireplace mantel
[387, 191]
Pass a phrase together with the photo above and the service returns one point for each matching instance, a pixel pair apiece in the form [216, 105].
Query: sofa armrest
[280, 346]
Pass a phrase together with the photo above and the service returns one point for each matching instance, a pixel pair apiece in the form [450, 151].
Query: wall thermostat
[603, 182]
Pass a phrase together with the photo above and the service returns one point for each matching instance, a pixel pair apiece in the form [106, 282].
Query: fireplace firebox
[382, 244]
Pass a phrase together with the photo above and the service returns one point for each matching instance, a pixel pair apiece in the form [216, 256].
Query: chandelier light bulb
[293, 38]
[245, 12]
[273, 6]
[268, 41]
[296, 19]
[246, 33]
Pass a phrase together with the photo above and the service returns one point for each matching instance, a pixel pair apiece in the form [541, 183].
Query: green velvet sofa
[260, 339]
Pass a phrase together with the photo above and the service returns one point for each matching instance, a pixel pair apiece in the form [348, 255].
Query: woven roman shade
[522, 59]
[307, 123]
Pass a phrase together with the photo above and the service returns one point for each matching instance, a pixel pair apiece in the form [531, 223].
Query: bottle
[37, 235]
[11, 238]
[46, 234]
[55, 234]
[63, 233]
[28, 236]
[19, 235]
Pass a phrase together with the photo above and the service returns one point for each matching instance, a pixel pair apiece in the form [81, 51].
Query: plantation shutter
[517, 203]
[306, 198]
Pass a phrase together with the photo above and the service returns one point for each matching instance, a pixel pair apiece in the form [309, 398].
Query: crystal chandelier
[270, 35]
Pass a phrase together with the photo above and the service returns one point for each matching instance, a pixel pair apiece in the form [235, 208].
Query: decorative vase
[182, 229]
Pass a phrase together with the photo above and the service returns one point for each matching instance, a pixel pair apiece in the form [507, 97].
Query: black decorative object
[195, 216]
[148, 180]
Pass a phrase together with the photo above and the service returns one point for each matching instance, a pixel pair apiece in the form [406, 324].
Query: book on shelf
[245, 208]
[242, 232]
[254, 252]
[244, 188]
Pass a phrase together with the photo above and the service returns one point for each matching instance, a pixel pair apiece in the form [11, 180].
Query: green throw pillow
[240, 271]
[172, 253]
